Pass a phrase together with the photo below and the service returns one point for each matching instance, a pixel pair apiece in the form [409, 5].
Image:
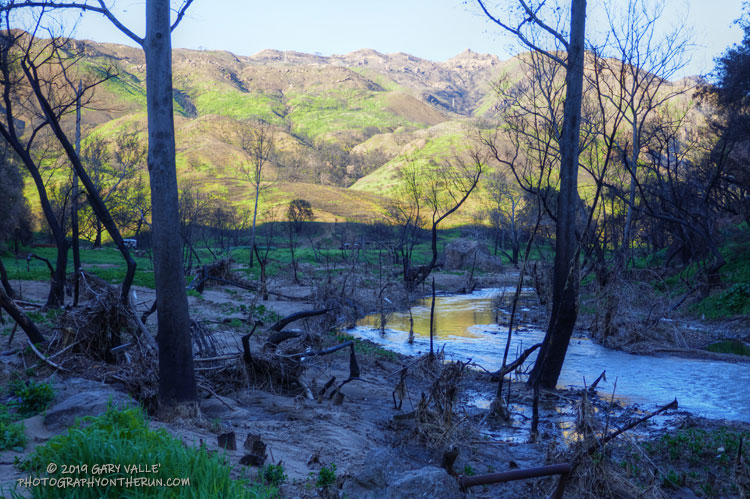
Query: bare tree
[258, 142]
[298, 212]
[633, 77]
[505, 202]
[526, 26]
[113, 168]
[177, 389]
[436, 191]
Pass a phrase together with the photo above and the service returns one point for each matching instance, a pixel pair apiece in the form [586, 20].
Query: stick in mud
[432, 318]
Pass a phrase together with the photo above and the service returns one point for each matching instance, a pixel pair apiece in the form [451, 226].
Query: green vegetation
[318, 114]
[272, 474]
[12, 435]
[364, 346]
[106, 263]
[326, 476]
[26, 398]
[122, 437]
[30, 397]
[240, 105]
[698, 458]
[735, 347]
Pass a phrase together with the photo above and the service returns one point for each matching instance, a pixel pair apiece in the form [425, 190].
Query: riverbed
[465, 327]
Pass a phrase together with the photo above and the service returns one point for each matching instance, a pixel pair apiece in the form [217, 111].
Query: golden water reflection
[454, 317]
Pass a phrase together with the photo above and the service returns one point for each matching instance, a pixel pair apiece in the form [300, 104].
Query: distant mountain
[338, 118]
[344, 123]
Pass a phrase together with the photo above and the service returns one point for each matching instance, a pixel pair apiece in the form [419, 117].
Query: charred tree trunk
[177, 390]
[74, 206]
[102, 214]
[549, 363]
[21, 318]
[5, 281]
[98, 237]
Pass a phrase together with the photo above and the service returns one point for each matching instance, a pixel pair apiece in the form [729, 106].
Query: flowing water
[465, 326]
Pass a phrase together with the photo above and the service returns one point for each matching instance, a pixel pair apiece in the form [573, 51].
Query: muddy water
[465, 327]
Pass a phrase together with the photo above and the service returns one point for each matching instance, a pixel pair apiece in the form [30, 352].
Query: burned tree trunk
[21, 318]
[549, 363]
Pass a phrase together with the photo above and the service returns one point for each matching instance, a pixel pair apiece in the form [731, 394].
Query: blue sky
[431, 29]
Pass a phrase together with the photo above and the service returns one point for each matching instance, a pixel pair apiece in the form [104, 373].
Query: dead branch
[498, 375]
[43, 358]
[280, 337]
[282, 323]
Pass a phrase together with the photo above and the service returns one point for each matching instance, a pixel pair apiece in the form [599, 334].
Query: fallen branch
[282, 323]
[43, 358]
[210, 390]
[513, 365]
[611, 436]
[255, 289]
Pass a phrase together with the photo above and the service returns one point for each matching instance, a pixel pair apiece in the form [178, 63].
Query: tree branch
[102, 9]
[180, 14]
[517, 32]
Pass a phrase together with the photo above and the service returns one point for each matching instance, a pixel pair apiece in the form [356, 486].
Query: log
[255, 289]
[282, 336]
[279, 325]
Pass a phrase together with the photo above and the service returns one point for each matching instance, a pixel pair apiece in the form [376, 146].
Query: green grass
[365, 347]
[239, 105]
[735, 347]
[106, 263]
[122, 437]
[26, 398]
[385, 179]
[316, 115]
[12, 434]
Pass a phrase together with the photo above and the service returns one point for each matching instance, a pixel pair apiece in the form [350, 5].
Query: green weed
[122, 437]
[326, 476]
[272, 474]
[30, 397]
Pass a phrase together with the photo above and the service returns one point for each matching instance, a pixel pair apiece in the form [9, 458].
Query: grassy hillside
[328, 113]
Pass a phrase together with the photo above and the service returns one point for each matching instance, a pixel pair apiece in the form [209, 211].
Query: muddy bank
[377, 448]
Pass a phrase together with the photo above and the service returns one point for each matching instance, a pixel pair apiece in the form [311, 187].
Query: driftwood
[280, 337]
[282, 323]
[256, 289]
[45, 359]
[499, 374]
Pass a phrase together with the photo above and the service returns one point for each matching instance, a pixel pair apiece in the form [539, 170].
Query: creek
[465, 327]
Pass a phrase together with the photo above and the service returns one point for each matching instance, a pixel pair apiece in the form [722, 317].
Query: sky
[431, 29]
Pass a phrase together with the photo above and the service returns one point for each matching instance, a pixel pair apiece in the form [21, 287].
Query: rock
[461, 253]
[426, 482]
[372, 480]
[87, 403]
